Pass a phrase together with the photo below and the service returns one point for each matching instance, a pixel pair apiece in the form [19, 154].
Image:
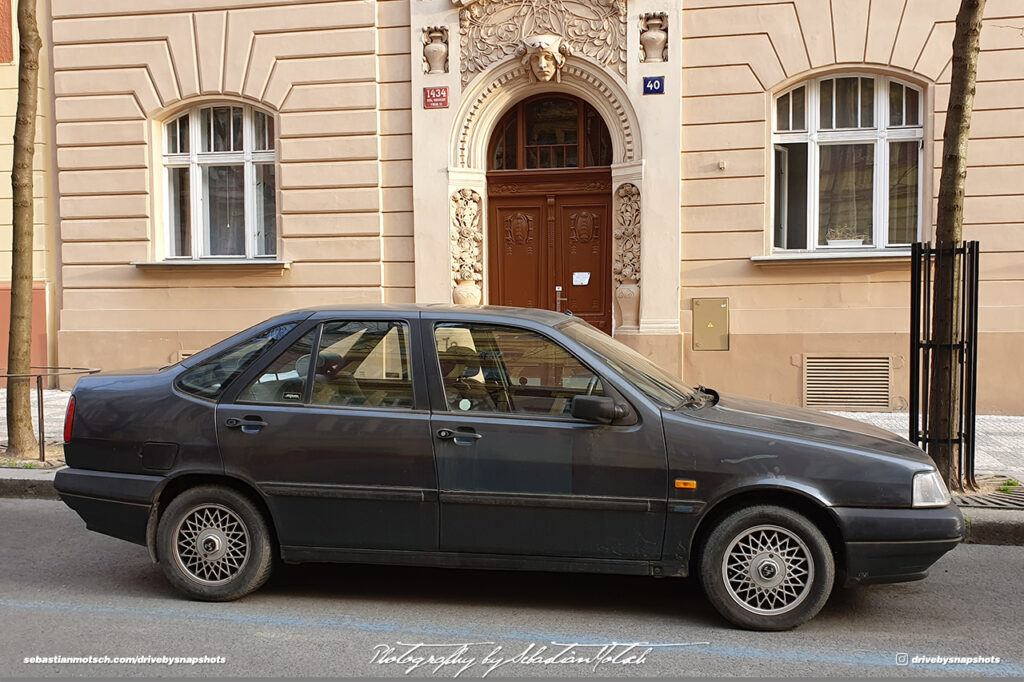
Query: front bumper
[113, 504]
[895, 545]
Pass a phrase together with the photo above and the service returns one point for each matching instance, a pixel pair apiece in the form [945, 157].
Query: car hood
[799, 422]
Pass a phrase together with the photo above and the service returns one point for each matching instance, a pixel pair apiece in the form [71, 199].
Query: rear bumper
[113, 504]
[896, 545]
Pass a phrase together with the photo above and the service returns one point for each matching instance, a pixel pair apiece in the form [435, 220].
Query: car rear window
[208, 379]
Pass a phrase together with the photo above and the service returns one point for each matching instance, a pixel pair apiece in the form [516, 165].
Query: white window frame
[879, 136]
[195, 159]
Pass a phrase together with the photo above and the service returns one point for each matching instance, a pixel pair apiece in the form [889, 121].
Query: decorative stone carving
[435, 49]
[545, 55]
[466, 237]
[626, 265]
[583, 227]
[582, 74]
[494, 30]
[654, 37]
[519, 232]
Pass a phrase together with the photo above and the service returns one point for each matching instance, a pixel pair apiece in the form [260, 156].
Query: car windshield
[653, 381]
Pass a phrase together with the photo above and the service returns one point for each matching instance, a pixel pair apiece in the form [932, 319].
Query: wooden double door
[550, 236]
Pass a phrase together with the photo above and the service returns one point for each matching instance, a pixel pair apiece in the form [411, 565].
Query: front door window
[488, 368]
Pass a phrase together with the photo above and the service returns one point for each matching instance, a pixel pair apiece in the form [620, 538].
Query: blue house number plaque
[654, 85]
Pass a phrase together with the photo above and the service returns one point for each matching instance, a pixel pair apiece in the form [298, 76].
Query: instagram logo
[902, 659]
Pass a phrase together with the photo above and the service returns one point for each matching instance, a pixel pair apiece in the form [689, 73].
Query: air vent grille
[848, 383]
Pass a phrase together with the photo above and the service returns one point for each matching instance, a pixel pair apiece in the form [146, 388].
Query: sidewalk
[1000, 451]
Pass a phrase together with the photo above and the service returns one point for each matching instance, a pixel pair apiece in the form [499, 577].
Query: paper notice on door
[580, 279]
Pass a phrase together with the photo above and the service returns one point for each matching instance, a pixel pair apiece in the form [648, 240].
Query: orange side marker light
[686, 484]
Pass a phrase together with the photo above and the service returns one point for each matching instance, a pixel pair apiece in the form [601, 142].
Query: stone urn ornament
[654, 38]
[435, 49]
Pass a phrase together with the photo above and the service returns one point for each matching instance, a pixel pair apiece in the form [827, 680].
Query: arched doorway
[550, 208]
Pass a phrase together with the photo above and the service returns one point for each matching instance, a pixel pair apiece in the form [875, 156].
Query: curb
[994, 526]
[28, 484]
[982, 526]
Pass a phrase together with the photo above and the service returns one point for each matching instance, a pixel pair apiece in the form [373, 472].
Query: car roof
[548, 317]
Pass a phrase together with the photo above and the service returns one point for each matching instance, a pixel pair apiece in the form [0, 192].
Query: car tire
[767, 568]
[214, 545]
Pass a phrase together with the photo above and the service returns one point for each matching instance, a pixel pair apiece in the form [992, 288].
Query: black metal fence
[47, 372]
[925, 262]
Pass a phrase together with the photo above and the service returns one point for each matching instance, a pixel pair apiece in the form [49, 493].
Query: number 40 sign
[654, 85]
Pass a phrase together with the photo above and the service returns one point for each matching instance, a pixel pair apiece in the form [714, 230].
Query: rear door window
[353, 363]
[210, 378]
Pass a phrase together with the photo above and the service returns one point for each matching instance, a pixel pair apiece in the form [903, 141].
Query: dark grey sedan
[498, 438]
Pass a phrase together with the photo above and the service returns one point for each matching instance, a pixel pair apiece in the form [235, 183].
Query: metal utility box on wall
[711, 324]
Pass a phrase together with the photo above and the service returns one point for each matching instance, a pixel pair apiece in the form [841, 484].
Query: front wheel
[214, 544]
[767, 568]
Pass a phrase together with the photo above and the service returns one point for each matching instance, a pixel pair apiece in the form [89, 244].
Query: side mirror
[596, 408]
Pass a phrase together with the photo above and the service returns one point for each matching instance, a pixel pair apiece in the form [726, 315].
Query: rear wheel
[767, 568]
[214, 544]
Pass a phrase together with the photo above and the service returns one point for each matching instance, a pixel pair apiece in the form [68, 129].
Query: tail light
[69, 420]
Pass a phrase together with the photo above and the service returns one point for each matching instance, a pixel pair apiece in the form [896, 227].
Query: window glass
[867, 103]
[283, 382]
[266, 210]
[782, 112]
[552, 127]
[913, 116]
[791, 195]
[903, 179]
[363, 363]
[208, 379]
[845, 193]
[487, 368]
[832, 177]
[221, 192]
[895, 104]
[222, 129]
[847, 102]
[224, 201]
[180, 213]
[653, 381]
[826, 103]
[799, 122]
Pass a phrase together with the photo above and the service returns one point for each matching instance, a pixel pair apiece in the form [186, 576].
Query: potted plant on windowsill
[843, 235]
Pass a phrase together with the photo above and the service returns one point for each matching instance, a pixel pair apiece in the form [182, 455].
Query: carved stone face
[545, 55]
[544, 65]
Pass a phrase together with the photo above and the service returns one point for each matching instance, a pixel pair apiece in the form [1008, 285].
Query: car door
[335, 432]
[517, 474]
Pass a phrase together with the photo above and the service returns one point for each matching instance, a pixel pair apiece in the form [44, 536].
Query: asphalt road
[65, 591]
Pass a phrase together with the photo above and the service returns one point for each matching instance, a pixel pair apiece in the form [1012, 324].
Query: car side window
[283, 381]
[492, 368]
[210, 378]
[363, 363]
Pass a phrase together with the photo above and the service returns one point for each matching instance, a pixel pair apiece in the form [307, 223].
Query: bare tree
[944, 397]
[19, 407]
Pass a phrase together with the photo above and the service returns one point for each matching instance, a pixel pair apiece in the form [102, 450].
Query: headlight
[930, 490]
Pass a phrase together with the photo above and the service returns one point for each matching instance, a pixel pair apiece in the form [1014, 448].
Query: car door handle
[247, 424]
[460, 437]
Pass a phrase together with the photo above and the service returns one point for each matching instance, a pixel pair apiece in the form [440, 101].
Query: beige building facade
[44, 262]
[730, 187]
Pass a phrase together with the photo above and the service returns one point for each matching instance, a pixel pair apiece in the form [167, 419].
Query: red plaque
[435, 98]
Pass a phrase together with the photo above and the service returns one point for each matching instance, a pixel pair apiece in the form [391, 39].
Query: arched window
[847, 163]
[550, 131]
[220, 183]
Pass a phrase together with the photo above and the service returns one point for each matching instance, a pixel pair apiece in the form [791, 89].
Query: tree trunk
[19, 407]
[944, 398]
